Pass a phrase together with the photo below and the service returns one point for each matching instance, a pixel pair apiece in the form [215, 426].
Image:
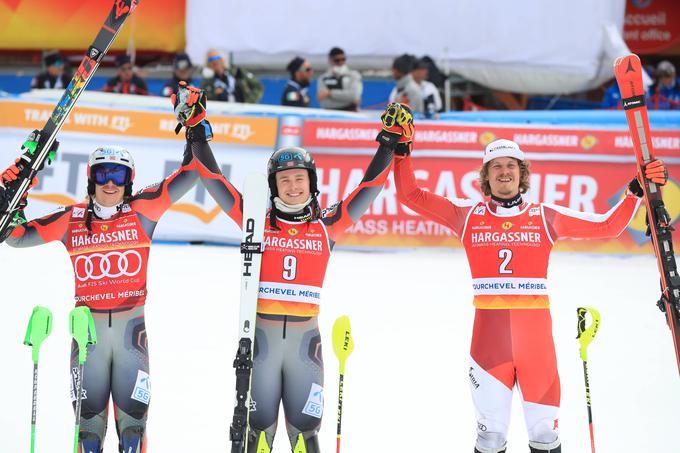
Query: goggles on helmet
[118, 174]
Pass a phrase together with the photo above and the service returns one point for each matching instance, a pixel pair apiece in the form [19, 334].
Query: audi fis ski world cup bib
[109, 262]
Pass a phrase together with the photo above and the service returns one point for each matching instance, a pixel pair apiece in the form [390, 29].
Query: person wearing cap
[126, 81]
[407, 90]
[664, 94]
[54, 76]
[432, 99]
[339, 88]
[508, 242]
[295, 93]
[234, 84]
[183, 70]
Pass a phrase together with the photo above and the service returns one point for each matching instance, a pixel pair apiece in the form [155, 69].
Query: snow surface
[406, 384]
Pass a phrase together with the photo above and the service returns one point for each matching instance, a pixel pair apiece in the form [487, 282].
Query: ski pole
[39, 328]
[343, 345]
[585, 337]
[81, 326]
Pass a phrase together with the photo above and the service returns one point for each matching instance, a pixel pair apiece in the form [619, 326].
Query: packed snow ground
[406, 385]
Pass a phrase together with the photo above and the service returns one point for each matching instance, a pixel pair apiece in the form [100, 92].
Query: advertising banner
[582, 169]
[651, 26]
[73, 24]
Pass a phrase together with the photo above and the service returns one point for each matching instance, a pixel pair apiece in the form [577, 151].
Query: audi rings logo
[112, 265]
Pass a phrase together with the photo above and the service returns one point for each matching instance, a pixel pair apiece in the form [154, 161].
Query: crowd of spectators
[418, 82]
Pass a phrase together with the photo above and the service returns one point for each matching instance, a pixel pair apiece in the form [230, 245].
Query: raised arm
[346, 212]
[450, 213]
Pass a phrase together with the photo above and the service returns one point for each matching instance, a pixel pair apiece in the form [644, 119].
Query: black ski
[33, 160]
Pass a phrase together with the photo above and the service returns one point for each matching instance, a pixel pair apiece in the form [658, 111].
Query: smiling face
[109, 194]
[293, 185]
[504, 177]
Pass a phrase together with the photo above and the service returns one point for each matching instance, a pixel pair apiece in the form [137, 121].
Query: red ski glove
[657, 172]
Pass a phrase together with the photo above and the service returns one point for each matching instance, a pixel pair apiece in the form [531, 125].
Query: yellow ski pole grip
[586, 334]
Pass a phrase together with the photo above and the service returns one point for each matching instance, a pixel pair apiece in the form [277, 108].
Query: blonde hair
[524, 174]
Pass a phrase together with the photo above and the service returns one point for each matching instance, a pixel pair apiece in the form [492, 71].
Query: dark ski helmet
[288, 158]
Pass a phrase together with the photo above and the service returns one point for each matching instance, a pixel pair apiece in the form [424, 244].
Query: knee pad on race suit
[552, 447]
[89, 442]
[132, 439]
[259, 441]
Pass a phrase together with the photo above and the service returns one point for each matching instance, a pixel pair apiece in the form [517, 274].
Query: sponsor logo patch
[142, 390]
[78, 213]
[314, 405]
[479, 210]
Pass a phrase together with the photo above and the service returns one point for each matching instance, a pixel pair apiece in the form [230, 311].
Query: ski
[32, 161]
[628, 71]
[255, 199]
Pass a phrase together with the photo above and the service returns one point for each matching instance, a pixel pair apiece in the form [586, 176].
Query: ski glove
[655, 171]
[397, 128]
[189, 104]
[12, 173]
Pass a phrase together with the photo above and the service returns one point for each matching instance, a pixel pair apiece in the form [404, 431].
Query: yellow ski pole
[343, 345]
[585, 337]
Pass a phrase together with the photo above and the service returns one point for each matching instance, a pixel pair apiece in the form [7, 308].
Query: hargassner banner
[583, 169]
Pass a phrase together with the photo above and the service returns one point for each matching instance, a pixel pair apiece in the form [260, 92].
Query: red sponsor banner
[651, 26]
[583, 186]
[448, 137]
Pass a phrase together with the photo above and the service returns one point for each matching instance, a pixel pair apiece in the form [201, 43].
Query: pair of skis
[628, 71]
[81, 327]
[255, 198]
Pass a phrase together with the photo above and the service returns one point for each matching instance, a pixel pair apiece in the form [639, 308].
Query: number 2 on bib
[506, 256]
[289, 267]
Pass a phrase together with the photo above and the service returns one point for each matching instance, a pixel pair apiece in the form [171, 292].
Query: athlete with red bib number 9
[108, 238]
[508, 242]
[298, 238]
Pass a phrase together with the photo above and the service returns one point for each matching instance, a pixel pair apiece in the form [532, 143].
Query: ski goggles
[118, 174]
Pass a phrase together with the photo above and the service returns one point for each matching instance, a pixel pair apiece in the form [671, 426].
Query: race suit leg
[130, 383]
[96, 386]
[265, 383]
[537, 376]
[492, 378]
[303, 383]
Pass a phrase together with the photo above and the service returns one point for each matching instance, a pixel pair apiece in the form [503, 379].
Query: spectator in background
[126, 82]
[407, 90]
[183, 69]
[432, 100]
[612, 98]
[54, 76]
[229, 84]
[664, 94]
[339, 88]
[295, 93]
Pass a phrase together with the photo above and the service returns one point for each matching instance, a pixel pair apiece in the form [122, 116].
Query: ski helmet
[110, 155]
[289, 158]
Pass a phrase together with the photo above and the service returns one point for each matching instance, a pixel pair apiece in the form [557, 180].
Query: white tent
[531, 46]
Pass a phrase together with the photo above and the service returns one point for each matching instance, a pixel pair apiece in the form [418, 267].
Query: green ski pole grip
[586, 334]
[81, 325]
[39, 328]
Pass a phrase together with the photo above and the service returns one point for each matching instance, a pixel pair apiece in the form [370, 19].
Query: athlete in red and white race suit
[299, 238]
[508, 243]
[108, 239]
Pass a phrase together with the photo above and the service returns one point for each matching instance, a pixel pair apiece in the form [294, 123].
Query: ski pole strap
[586, 334]
[81, 325]
[39, 328]
[252, 247]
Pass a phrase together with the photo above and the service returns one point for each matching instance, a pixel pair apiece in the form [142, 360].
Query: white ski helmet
[110, 155]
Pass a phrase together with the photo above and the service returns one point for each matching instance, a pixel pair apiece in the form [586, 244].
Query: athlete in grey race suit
[108, 239]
